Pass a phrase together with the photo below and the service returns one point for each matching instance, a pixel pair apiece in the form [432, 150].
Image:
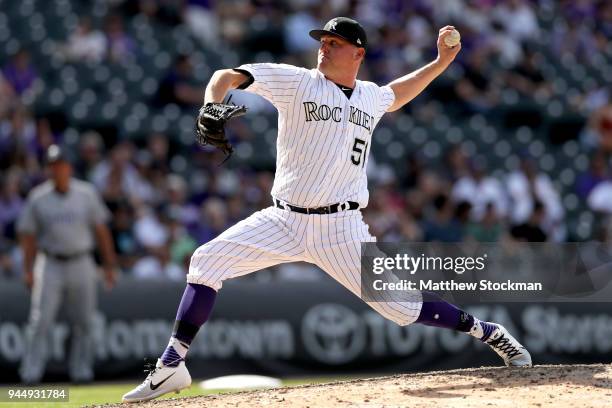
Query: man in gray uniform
[62, 219]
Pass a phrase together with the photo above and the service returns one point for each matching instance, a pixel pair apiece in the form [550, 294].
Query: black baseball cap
[343, 27]
[55, 154]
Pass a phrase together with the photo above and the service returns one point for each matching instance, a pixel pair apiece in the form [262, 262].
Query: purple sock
[193, 311]
[438, 312]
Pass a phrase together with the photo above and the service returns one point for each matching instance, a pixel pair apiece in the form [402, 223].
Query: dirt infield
[540, 386]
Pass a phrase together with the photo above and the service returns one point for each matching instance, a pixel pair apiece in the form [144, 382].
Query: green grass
[97, 394]
[104, 393]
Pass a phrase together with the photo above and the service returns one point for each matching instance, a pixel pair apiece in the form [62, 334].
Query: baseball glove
[210, 125]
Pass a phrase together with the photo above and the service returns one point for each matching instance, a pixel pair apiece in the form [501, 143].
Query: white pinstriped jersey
[323, 143]
[324, 138]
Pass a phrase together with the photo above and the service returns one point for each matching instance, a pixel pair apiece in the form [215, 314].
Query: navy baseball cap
[55, 154]
[345, 28]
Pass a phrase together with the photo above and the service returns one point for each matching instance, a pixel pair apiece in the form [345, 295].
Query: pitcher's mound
[540, 386]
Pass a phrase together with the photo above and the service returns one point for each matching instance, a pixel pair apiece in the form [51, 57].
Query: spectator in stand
[85, 44]
[527, 77]
[473, 14]
[17, 133]
[409, 228]
[200, 17]
[594, 97]
[528, 187]
[600, 198]
[597, 172]
[479, 189]
[177, 195]
[159, 149]
[149, 229]
[505, 48]
[20, 72]
[571, 38]
[418, 27]
[11, 202]
[477, 88]
[213, 222]
[456, 163]
[603, 22]
[180, 243]
[603, 234]
[518, 19]
[45, 137]
[489, 229]
[395, 50]
[151, 181]
[7, 95]
[598, 133]
[297, 24]
[443, 225]
[530, 230]
[90, 154]
[168, 12]
[119, 45]
[122, 229]
[585, 9]
[415, 166]
[117, 178]
[157, 264]
[178, 85]
[463, 214]
[431, 184]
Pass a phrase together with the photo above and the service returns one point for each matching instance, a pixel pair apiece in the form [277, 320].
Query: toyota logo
[333, 333]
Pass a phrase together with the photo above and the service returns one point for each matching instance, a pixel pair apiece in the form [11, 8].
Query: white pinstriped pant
[273, 236]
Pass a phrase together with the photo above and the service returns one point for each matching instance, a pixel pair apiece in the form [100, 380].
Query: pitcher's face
[336, 55]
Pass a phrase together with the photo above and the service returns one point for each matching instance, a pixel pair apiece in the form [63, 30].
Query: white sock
[178, 346]
[476, 329]
[482, 330]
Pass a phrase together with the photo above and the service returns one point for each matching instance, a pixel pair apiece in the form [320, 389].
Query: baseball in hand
[452, 39]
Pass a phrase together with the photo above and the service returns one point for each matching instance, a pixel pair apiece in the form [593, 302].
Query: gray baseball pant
[72, 282]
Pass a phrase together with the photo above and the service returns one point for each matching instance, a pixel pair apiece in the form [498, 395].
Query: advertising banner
[299, 328]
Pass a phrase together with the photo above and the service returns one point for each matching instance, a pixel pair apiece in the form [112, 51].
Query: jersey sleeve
[275, 82]
[27, 223]
[387, 97]
[99, 211]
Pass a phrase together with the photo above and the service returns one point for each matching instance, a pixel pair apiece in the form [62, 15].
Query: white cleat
[161, 380]
[508, 348]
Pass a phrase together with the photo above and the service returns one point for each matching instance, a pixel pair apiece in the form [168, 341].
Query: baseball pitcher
[325, 122]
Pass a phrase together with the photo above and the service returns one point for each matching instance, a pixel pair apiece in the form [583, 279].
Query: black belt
[66, 257]
[329, 209]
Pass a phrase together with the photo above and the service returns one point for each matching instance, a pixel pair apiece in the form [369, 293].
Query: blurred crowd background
[512, 142]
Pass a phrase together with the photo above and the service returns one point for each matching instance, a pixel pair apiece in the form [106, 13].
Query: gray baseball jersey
[63, 223]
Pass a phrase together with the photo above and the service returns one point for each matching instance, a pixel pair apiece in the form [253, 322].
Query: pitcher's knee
[202, 269]
[205, 278]
[401, 314]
